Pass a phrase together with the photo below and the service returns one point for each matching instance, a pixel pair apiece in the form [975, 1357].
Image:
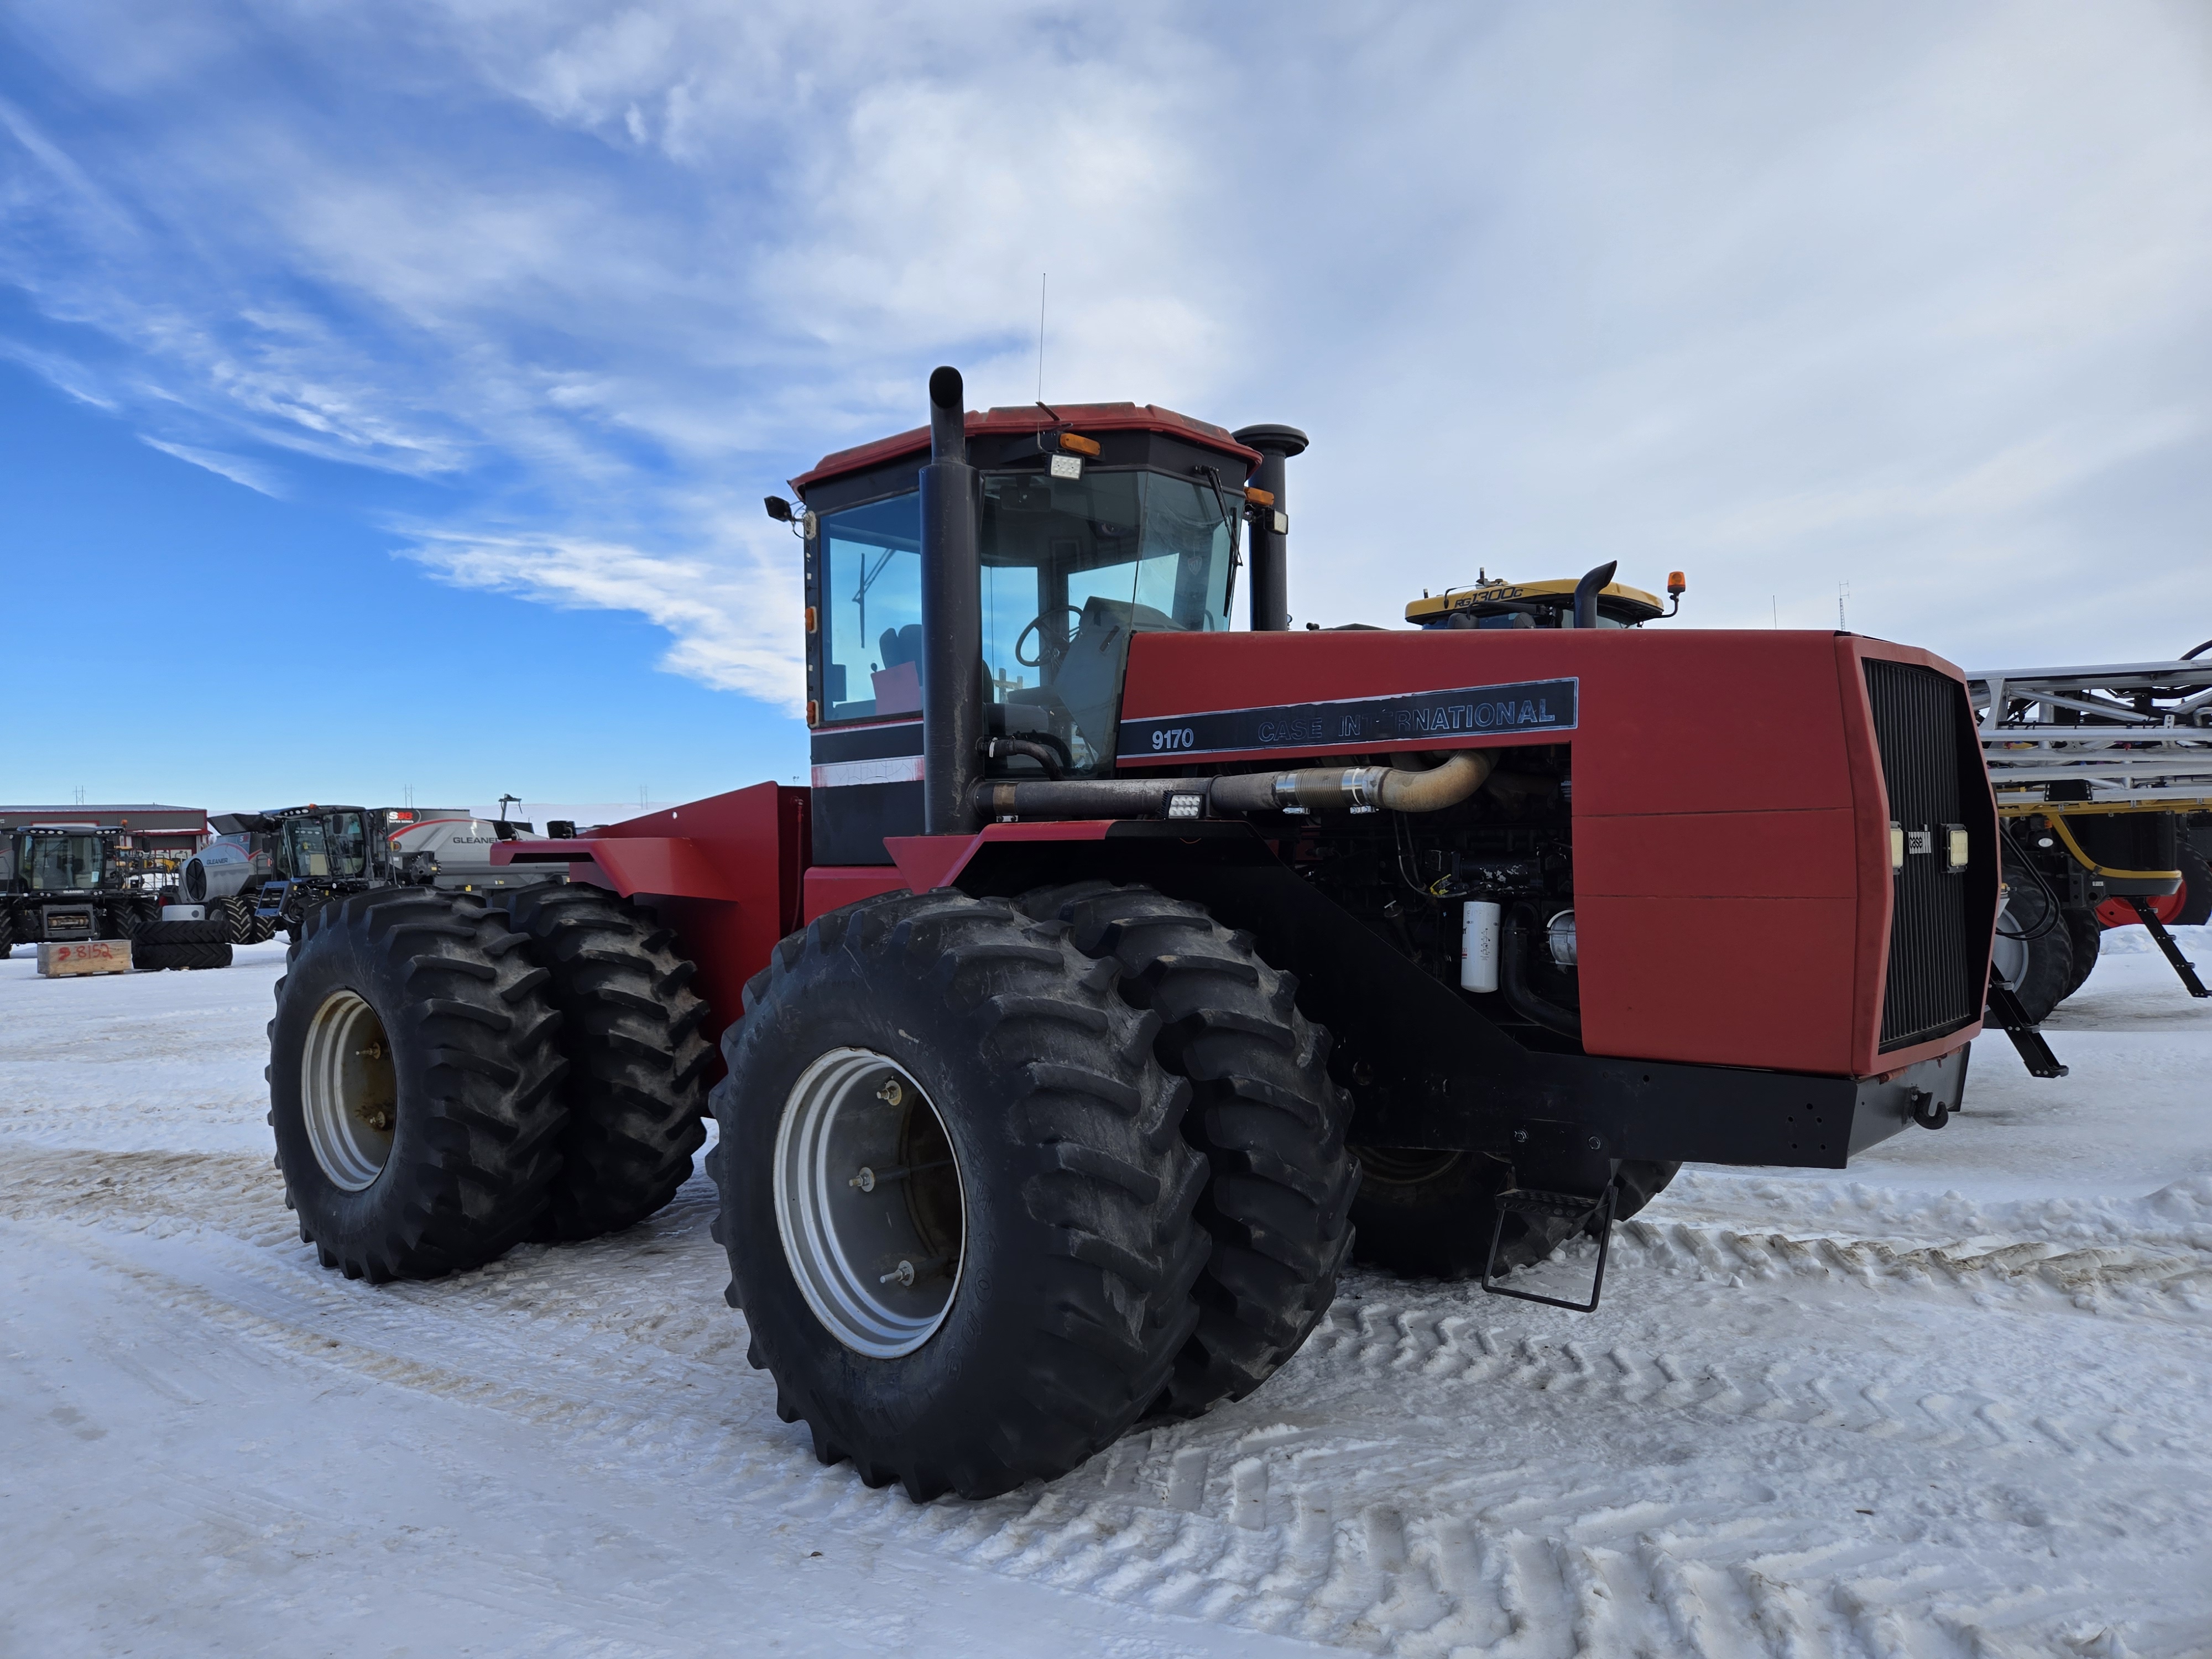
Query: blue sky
[386, 393]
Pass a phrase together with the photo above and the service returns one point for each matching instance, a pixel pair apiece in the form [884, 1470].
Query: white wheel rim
[349, 1091]
[2008, 955]
[879, 1263]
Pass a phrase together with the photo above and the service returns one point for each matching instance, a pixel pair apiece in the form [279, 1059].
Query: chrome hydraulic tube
[1390, 788]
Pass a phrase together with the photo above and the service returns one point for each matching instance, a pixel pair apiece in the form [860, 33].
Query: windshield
[1071, 567]
[335, 851]
[59, 864]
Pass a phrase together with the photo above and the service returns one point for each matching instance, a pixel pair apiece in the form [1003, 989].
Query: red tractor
[1121, 974]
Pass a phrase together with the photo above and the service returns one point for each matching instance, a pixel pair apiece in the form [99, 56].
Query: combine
[1121, 974]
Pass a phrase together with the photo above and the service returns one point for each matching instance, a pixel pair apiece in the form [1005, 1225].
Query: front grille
[69, 924]
[1935, 985]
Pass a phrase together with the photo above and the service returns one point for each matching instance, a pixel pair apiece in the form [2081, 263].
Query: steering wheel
[1036, 627]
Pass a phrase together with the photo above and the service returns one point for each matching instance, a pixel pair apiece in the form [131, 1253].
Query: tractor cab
[64, 881]
[319, 854]
[1095, 523]
[328, 844]
[1501, 603]
[59, 860]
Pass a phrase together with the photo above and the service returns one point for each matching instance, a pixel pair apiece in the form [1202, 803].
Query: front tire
[413, 1084]
[1035, 1162]
[236, 915]
[2085, 936]
[130, 913]
[2033, 952]
[2196, 886]
[1265, 1114]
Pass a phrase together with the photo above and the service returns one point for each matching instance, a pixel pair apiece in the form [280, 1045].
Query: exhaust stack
[952, 617]
[1587, 590]
[1271, 593]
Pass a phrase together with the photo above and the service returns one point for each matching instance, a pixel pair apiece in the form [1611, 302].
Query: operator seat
[900, 645]
[1089, 682]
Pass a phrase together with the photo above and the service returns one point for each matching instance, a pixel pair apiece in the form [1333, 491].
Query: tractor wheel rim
[870, 1203]
[2006, 954]
[349, 1091]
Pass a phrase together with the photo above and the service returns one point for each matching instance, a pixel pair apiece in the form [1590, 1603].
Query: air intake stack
[952, 617]
[1271, 593]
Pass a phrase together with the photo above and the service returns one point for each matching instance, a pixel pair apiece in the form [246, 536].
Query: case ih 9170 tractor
[1119, 970]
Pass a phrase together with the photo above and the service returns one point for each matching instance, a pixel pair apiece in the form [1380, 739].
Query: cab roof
[1616, 600]
[1085, 418]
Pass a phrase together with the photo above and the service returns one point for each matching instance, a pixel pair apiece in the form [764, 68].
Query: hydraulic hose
[1515, 943]
[1051, 757]
[1398, 789]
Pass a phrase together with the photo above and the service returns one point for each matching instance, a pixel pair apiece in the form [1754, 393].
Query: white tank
[453, 844]
[222, 868]
[456, 852]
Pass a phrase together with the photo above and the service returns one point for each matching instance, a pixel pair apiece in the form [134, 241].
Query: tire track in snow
[1384, 1336]
[1677, 1247]
[1291, 1526]
[1167, 1523]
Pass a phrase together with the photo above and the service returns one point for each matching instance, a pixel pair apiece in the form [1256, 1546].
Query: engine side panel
[1678, 900]
[1730, 826]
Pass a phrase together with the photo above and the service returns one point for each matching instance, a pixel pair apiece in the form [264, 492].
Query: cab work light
[1065, 452]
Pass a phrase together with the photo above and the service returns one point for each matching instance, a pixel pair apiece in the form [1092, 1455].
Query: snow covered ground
[1956, 1401]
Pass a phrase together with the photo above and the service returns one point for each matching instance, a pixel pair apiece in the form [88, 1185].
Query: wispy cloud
[251, 474]
[731, 610]
[1792, 297]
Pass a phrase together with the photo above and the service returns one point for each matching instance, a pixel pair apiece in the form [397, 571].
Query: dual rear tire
[447, 1078]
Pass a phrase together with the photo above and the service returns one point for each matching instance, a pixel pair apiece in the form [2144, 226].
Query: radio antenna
[1043, 278]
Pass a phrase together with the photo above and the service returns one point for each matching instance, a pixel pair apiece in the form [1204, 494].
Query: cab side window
[872, 610]
[349, 845]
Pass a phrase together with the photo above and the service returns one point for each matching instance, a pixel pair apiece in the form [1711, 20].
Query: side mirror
[779, 509]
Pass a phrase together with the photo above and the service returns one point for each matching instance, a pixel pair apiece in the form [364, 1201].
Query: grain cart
[1062, 1014]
